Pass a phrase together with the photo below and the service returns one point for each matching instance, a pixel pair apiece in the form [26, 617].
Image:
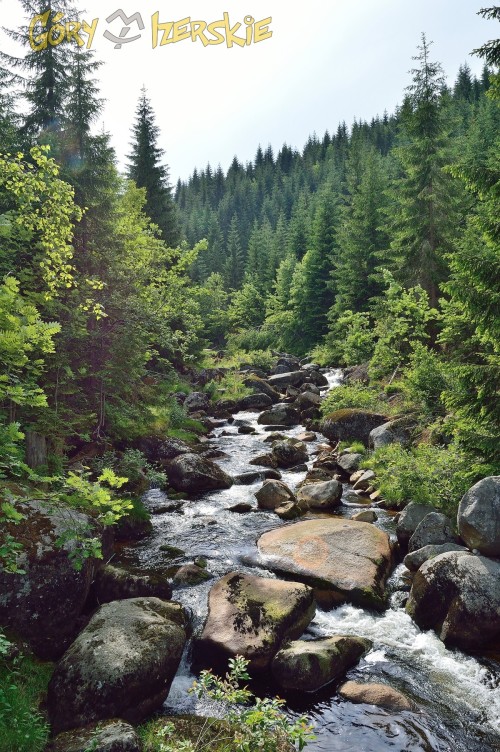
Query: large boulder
[351, 424]
[282, 380]
[479, 517]
[43, 605]
[161, 450]
[434, 529]
[109, 736]
[414, 560]
[326, 495]
[193, 474]
[409, 519]
[252, 616]
[273, 494]
[289, 453]
[196, 401]
[261, 386]
[349, 463]
[317, 378]
[306, 666]
[255, 402]
[115, 584]
[458, 595]
[397, 431]
[342, 560]
[306, 400]
[121, 665]
[280, 415]
[375, 694]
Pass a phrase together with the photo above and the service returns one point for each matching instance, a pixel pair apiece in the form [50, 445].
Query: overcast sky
[327, 61]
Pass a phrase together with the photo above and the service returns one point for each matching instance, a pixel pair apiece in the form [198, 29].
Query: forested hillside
[377, 243]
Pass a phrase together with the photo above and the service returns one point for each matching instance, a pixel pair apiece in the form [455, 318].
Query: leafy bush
[250, 724]
[354, 396]
[23, 681]
[424, 381]
[403, 317]
[425, 474]
[230, 387]
[132, 464]
[350, 340]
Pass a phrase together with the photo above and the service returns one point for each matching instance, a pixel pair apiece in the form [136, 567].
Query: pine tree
[147, 171]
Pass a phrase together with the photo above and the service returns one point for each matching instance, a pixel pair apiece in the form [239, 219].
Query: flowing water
[457, 695]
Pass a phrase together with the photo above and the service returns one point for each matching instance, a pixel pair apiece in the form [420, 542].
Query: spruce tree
[421, 218]
[44, 72]
[147, 171]
[235, 260]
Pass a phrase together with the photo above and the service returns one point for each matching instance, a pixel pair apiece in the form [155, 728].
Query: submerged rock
[375, 694]
[252, 616]
[458, 595]
[193, 474]
[479, 517]
[306, 666]
[341, 559]
[121, 665]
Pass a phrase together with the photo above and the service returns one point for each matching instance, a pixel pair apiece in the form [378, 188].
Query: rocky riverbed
[279, 550]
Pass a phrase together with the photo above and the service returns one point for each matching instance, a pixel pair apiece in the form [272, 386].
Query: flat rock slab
[341, 559]
[252, 616]
[375, 694]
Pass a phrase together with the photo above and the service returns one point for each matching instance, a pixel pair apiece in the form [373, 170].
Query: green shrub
[354, 396]
[133, 465]
[23, 682]
[250, 723]
[425, 474]
[424, 381]
[230, 387]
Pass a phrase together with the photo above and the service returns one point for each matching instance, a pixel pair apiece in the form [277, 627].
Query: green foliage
[230, 387]
[403, 318]
[425, 474]
[23, 682]
[350, 340]
[24, 341]
[133, 464]
[351, 396]
[250, 723]
[37, 209]
[424, 381]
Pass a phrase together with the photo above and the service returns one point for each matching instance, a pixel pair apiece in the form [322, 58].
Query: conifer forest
[254, 405]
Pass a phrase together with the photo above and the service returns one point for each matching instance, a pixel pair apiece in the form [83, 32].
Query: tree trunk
[36, 449]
